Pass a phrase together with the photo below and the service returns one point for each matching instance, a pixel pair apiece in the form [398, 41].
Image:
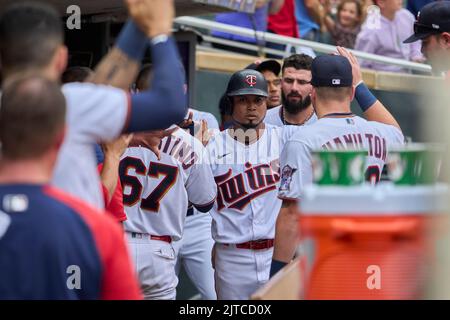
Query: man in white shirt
[31, 41]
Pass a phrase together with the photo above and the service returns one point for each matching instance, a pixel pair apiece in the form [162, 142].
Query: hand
[260, 3]
[152, 139]
[419, 59]
[356, 69]
[203, 134]
[116, 148]
[187, 122]
[154, 17]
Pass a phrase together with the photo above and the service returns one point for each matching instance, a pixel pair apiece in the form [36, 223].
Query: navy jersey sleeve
[165, 103]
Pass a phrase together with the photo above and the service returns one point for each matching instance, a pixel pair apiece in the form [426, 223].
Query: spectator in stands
[256, 21]
[310, 15]
[283, 23]
[386, 37]
[347, 25]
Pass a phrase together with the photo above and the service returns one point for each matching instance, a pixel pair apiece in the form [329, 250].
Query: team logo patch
[286, 177]
[251, 80]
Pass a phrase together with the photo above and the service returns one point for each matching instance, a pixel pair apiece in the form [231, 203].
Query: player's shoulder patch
[286, 177]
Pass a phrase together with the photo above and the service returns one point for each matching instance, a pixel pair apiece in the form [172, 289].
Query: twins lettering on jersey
[180, 150]
[377, 145]
[236, 191]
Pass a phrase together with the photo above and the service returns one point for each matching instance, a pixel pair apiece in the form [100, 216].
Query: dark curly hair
[298, 61]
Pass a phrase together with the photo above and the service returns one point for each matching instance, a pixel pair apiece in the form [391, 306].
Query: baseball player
[336, 128]
[244, 162]
[433, 28]
[97, 113]
[296, 108]
[270, 69]
[193, 250]
[156, 194]
[52, 245]
[108, 161]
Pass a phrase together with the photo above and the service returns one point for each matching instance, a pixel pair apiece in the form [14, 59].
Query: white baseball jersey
[274, 117]
[193, 250]
[247, 178]
[333, 133]
[94, 113]
[156, 192]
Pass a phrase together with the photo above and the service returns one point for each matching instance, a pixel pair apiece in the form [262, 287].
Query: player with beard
[296, 108]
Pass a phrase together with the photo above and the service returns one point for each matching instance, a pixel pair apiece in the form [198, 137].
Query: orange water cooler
[368, 242]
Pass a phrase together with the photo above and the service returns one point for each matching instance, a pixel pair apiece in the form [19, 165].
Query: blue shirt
[304, 21]
[257, 21]
[53, 246]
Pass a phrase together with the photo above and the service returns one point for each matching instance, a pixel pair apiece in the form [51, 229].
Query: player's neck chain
[338, 114]
[285, 122]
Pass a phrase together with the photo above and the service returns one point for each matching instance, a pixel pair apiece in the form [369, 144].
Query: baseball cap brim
[418, 36]
[248, 91]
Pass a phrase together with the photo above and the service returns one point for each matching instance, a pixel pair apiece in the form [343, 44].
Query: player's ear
[60, 136]
[353, 93]
[313, 94]
[61, 59]
[444, 39]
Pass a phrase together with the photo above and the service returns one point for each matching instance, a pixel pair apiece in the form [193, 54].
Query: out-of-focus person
[433, 29]
[385, 37]
[53, 246]
[256, 21]
[283, 23]
[344, 30]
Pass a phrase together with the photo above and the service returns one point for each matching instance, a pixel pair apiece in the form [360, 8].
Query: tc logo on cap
[336, 81]
[251, 80]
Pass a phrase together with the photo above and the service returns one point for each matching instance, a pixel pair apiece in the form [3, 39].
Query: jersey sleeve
[200, 185]
[96, 112]
[295, 170]
[212, 121]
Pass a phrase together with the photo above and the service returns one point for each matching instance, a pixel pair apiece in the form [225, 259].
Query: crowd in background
[373, 26]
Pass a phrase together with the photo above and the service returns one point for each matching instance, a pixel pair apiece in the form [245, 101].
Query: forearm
[116, 69]
[373, 109]
[315, 10]
[286, 234]
[165, 103]
[110, 174]
[275, 6]
[121, 65]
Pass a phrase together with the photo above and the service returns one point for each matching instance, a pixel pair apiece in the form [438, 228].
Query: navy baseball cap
[434, 18]
[331, 71]
[271, 65]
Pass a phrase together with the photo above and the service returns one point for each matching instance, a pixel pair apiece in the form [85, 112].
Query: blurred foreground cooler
[366, 242]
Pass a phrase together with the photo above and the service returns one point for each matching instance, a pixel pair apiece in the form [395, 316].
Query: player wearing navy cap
[337, 127]
[52, 246]
[433, 28]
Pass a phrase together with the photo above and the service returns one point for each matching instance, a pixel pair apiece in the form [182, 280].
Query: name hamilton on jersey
[233, 191]
[377, 145]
